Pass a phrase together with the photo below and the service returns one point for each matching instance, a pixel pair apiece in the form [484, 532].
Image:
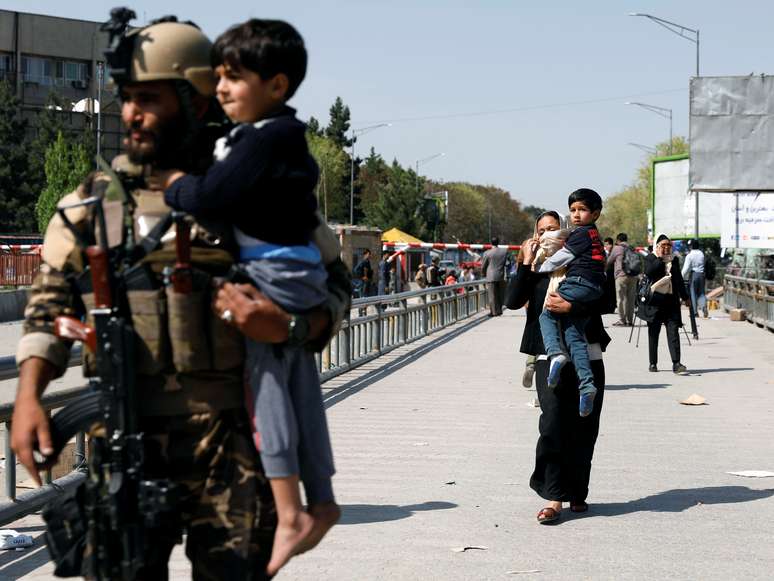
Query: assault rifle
[117, 503]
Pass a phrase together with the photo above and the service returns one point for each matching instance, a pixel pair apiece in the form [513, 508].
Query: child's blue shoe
[555, 369]
[586, 403]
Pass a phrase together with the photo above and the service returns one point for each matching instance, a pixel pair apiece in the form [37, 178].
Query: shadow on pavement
[355, 514]
[638, 386]
[681, 499]
[718, 370]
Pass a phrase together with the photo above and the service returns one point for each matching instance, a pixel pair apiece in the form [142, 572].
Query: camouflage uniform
[190, 383]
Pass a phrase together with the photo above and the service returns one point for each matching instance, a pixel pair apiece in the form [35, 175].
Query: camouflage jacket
[188, 360]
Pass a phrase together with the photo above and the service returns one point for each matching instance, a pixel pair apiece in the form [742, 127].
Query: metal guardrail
[755, 296]
[395, 320]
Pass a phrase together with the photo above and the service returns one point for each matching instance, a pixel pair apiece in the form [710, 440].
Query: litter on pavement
[10, 539]
[694, 399]
[753, 473]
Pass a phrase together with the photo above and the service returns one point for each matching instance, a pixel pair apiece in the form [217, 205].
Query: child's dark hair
[589, 197]
[266, 47]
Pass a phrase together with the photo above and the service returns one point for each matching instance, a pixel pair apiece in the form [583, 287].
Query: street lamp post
[677, 29]
[421, 161]
[355, 133]
[663, 111]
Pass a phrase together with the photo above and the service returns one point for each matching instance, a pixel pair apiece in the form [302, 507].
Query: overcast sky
[527, 96]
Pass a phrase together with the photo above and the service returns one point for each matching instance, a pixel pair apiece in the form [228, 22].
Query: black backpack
[631, 262]
[709, 268]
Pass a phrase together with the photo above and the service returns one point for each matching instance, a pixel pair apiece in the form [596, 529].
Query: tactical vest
[187, 358]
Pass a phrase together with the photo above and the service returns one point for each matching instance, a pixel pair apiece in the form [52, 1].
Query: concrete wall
[12, 305]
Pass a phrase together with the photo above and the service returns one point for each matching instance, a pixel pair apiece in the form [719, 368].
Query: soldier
[189, 360]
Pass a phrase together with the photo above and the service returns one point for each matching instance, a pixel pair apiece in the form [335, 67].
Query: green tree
[66, 165]
[332, 187]
[17, 199]
[339, 124]
[534, 211]
[398, 203]
[373, 177]
[313, 126]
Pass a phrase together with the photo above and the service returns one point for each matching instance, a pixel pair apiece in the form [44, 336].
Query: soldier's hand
[30, 430]
[252, 312]
[29, 423]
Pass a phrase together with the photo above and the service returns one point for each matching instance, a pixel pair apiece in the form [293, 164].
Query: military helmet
[173, 51]
[164, 50]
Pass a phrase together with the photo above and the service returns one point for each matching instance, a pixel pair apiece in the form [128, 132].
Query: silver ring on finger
[227, 316]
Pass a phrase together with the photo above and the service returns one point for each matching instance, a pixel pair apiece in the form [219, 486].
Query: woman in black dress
[665, 309]
[566, 443]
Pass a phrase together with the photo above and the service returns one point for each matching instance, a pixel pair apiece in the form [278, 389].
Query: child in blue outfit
[584, 256]
[262, 182]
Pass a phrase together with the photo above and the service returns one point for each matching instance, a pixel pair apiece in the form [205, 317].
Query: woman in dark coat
[566, 443]
[665, 309]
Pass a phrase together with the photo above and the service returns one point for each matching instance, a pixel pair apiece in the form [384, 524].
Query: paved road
[436, 454]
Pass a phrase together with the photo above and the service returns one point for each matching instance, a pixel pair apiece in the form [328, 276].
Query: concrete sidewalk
[434, 453]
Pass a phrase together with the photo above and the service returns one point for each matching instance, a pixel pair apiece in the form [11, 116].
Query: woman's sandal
[548, 515]
[579, 506]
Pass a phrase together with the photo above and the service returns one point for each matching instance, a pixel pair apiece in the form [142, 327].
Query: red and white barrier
[21, 248]
[444, 246]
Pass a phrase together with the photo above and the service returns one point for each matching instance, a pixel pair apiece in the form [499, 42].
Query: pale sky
[550, 78]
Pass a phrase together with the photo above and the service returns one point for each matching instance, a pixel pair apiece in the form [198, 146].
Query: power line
[520, 109]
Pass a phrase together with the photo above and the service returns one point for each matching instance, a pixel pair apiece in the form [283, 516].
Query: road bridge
[435, 444]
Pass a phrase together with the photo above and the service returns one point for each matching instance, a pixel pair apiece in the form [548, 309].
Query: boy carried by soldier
[584, 257]
[262, 182]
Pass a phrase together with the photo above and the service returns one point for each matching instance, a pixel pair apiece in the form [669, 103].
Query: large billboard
[754, 223]
[732, 134]
[673, 203]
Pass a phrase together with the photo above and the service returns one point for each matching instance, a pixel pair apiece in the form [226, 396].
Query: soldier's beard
[160, 146]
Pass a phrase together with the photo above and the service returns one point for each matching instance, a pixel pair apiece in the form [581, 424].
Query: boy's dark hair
[589, 197]
[266, 47]
[622, 237]
[608, 239]
[694, 244]
[367, 252]
[495, 241]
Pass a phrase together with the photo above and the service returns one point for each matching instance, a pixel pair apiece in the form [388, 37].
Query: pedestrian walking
[566, 443]
[493, 268]
[662, 303]
[383, 285]
[626, 267]
[694, 272]
[421, 276]
[363, 276]
[433, 276]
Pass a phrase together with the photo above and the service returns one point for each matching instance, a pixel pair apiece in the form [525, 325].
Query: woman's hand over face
[530, 246]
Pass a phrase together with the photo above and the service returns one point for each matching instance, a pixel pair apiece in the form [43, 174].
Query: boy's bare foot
[290, 538]
[325, 515]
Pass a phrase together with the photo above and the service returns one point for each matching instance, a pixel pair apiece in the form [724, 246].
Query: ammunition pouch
[66, 524]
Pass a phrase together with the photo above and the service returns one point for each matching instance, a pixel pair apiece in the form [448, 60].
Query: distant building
[40, 54]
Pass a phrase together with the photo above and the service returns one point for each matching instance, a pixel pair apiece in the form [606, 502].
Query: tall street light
[425, 160]
[355, 133]
[678, 29]
[663, 111]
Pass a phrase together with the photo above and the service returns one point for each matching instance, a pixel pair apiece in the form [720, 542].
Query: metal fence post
[10, 465]
[403, 321]
[347, 346]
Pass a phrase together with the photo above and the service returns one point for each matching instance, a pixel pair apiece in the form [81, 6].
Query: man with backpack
[693, 272]
[627, 265]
